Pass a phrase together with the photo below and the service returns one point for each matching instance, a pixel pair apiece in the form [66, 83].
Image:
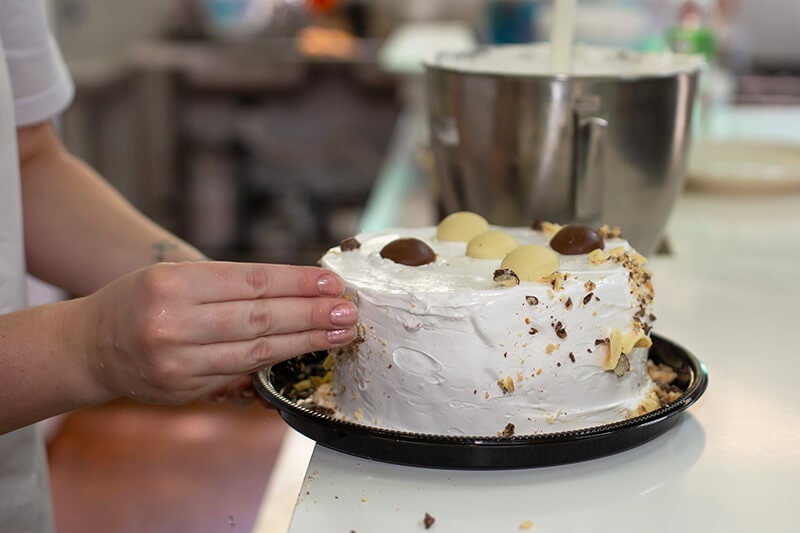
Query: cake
[471, 329]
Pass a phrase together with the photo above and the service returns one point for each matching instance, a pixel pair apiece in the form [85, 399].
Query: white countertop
[730, 294]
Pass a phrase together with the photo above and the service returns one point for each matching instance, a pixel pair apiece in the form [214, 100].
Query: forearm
[45, 367]
[169, 333]
[79, 232]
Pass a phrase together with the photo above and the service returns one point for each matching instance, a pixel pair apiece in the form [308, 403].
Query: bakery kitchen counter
[729, 292]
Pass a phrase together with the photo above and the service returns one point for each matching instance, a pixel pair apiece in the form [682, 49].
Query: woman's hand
[175, 332]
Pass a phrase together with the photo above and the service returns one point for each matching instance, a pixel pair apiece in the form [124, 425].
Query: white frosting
[437, 339]
[587, 60]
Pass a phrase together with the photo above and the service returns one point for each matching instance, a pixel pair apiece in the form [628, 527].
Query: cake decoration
[491, 244]
[531, 262]
[539, 339]
[461, 226]
[505, 277]
[409, 251]
[349, 244]
[576, 239]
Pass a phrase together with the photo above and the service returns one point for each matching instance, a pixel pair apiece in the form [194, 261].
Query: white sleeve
[40, 83]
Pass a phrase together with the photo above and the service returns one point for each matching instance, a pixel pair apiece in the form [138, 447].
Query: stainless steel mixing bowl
[563, 148]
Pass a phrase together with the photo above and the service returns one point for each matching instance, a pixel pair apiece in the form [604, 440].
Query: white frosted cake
[471, 329]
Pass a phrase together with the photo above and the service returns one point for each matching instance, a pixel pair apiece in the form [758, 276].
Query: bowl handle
[588, 169]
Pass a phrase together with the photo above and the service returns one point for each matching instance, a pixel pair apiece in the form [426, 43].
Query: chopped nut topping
[617, 252]
[506, 384]
[587, 298]
[557, 279]
[572, 357]
[550, 229]
[550, 348]
[661, 373]
[302, 385]
[505, 277]
[552, 418]
[623, 365]
[589, 285]
[532, 300]
[649, 404]
[526, 524]
[349, 244]
[597, 257]
[568, 304]
[610, 233]
[561, 332]
[428, 520]
[508, 431]
[665, 393]
[533, 331]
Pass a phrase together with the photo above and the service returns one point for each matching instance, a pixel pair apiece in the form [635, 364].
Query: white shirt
[34, 86]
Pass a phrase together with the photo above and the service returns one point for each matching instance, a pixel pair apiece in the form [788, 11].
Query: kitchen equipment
[607, 143]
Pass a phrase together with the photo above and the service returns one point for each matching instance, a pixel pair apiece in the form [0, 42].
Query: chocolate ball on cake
[409, 251]
[576, 239]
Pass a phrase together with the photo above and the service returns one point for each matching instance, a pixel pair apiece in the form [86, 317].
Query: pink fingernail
[329, 285]
[344, 315]
[340, 336]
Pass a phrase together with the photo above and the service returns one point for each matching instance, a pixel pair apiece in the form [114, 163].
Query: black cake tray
[485, 452]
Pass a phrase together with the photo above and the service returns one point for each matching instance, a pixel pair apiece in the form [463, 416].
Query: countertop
[729, 293]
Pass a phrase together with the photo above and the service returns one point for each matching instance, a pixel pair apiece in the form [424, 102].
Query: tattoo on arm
[162, 247]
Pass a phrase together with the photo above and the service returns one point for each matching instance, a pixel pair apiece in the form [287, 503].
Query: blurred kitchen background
[256, 128]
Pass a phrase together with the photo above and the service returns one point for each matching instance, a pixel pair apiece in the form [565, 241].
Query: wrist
[81, 332]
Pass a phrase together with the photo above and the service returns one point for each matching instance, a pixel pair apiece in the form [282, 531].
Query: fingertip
[344, 314]
[329, 284]
[340, 337]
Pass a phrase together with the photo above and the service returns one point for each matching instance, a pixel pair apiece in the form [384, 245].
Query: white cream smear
[445, 350]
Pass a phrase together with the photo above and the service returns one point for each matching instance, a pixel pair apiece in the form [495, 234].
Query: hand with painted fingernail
[175, 332]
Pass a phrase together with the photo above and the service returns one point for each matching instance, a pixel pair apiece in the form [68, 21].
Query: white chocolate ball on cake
[491, 244]
[461, 226]
[531, 262]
